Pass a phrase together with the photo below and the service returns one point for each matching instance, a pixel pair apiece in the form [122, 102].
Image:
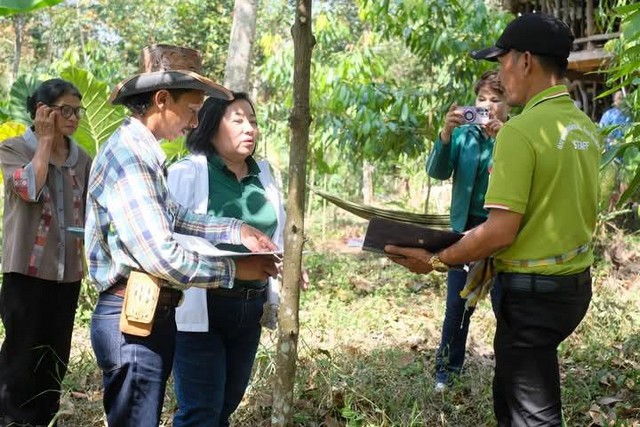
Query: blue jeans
[134, 369]
[212, 369]
[455, 328]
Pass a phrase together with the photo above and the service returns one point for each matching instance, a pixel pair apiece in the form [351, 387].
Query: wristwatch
[438, 265]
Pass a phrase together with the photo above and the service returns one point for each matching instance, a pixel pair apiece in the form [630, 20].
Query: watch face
[438, 265]
[439, 268]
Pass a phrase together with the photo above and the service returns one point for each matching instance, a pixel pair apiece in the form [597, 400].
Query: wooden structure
[589, 58]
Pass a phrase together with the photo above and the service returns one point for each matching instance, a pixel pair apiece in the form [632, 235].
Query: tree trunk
[83, 48]
[312, 182]
[590, 23]
[426, 199]
[367, 183]
[237, 74]
[18, 24]
[300, 119]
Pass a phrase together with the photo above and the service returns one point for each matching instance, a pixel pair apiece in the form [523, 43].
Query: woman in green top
[219, 329]
[464, 151]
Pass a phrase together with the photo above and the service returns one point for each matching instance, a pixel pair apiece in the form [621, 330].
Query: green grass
[367, 345]
[369, 331]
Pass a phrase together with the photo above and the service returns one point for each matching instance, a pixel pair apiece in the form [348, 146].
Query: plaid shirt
[131, 218]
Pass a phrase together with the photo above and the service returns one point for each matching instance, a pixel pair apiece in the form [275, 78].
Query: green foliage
[95, 127]
[441, 34]
[175, 149]
[368, 116]
[383, 75]
[12, 7]
[364, 100]
[624, 74]
[102, 118]
[15, 107]
[129, 26]
[106, 36]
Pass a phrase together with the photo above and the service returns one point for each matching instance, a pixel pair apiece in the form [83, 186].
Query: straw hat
[168, 67]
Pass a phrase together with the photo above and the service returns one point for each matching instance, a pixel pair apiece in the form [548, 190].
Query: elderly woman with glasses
[45, 176]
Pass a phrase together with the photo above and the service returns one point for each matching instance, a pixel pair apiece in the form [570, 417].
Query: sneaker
[440, 387]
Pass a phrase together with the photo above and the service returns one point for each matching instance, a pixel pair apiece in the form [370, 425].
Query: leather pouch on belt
[140, 302]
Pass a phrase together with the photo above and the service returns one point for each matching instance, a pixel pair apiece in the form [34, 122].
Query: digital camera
[474, 115]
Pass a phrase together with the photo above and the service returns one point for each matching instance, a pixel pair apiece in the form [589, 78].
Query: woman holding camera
[464, 149]
[45, 176]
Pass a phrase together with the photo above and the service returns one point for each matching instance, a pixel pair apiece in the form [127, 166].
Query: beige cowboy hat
[168, 67]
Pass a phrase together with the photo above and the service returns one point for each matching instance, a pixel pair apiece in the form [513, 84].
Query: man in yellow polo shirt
[542, 202]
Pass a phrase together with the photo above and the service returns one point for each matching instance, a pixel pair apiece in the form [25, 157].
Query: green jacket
[461, 157]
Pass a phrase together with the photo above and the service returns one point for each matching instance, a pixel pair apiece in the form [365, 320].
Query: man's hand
[415, 260]
[256, 267]
[255, 240]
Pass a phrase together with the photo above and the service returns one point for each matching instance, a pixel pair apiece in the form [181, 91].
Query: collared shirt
[546, 167]
[50, 253]
[244, 199]
[131, 218]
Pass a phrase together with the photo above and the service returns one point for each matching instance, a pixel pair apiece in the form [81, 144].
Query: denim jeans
[134, 369]
[455, 328]
[212, 369]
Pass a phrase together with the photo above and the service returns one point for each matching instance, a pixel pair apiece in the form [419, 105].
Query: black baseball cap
[537, 33]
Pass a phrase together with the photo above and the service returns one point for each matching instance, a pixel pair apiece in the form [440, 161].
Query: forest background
[383, 74]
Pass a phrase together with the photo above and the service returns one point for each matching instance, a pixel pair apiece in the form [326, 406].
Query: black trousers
[38, 319]
[531, 322]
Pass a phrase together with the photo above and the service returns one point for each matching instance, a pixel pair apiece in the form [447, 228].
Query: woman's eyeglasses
[67, 110]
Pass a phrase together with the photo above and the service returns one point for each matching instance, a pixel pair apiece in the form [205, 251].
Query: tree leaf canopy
[102, 118]
[12, 7]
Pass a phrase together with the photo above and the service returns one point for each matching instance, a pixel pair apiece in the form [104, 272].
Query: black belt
[168, 297]
[521, 282]
[244, 293]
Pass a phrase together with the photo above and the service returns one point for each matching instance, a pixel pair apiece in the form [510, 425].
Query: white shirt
[189, 184]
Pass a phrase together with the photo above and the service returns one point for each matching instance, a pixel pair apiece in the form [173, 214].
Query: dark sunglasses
[67, 110]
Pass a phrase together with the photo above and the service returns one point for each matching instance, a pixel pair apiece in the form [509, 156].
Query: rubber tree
[243, 31]
[299, 122]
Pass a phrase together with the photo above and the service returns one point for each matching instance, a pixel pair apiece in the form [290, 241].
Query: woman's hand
[255, 240]
[45, 129]
[492, 127]
[452, 120]
[45, 123]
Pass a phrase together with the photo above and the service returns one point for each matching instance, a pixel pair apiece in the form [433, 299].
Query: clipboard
[382, 232]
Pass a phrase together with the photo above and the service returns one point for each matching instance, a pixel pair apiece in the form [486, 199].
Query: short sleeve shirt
[546, 166]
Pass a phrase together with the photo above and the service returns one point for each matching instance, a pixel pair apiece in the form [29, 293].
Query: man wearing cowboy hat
[129, 226]
[542, 201]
